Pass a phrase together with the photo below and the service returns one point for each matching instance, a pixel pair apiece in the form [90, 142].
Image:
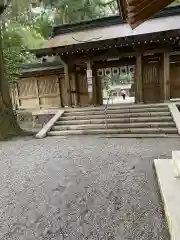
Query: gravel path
[81, 188]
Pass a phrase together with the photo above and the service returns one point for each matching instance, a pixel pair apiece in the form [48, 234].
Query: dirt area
[82, 188]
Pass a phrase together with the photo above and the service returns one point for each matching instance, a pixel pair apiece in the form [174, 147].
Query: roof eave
[137, 12]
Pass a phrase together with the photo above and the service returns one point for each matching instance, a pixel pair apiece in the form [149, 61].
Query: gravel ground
[81, 188]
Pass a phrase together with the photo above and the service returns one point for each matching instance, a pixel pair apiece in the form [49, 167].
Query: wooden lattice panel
[27, 87]
[47, 85]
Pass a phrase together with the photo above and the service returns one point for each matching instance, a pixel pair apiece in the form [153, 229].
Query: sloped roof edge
[107, 21]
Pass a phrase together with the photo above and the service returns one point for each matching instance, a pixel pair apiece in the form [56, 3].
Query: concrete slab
[115, 106]
[170, 189]
[176, 162]
[121, 115]
[158, 135]
[116, 120]
[113, 126]
[116, 111]
[175, 114]
[114, 131]
[43, 132]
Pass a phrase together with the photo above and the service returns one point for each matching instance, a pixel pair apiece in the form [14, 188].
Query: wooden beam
[77, 88]
[145, 10]
[166, 76]
[118, 63]
[67, 85]
[95, 89]
[138, 11]
[37, 91]
[60, 91]
[109, 54]
[139, 79]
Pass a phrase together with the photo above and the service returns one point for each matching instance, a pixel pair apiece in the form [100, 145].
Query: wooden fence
[36, 92]
[48, 92]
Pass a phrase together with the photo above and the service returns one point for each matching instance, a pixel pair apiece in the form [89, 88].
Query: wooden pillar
[37, 91]
[94, 84]
[67, 85]
[139, 79]
[60, 91]
[165, 75]
[18, 95]
[90, 82]
[99, 91]
[76, 88]
[94, 97]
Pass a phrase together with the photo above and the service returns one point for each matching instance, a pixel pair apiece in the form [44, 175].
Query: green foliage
[16, 39]
[177, 2]
[65, 11]
[23, 27]
[43, 25]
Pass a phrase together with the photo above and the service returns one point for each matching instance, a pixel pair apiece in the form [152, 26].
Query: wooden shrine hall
[82, 49]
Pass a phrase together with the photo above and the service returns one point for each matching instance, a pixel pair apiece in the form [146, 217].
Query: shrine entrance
[117, 84]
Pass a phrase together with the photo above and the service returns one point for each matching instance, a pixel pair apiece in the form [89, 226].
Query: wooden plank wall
[83, 89]
[151, 83]
[49, 91]
[37, 92]
[175, 80]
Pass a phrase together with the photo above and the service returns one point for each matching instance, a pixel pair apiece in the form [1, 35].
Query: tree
[8, 124]
[65, 11]
[13, 38]
[177, 2]
[21, 28]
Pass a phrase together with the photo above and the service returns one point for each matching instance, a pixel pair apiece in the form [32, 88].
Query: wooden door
[83, 89]
[151, 82]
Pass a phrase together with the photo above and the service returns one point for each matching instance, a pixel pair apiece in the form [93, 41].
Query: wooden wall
[37, 92]
[151, 82]
[175, 80]
[83, 89]
[49, 91]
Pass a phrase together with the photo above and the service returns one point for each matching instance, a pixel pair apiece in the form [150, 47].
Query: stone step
[176, 162]
[115, 106]
[113, 116]
[114, 131]
[116, 120]
[114, 126]
[149, 135]
[116, 111]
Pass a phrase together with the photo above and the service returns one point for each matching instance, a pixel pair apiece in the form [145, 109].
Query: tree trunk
[8, 123]
[29, 12]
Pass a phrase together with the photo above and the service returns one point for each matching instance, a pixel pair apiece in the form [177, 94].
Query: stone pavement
[81, 188]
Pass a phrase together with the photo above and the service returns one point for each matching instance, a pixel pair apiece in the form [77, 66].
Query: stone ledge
[176, 163]
[170, 189]
[175, 114]
[43, 132]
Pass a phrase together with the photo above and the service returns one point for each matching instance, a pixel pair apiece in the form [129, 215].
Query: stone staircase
[123, 121]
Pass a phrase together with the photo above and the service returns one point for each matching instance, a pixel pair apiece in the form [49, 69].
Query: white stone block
[176, 162]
